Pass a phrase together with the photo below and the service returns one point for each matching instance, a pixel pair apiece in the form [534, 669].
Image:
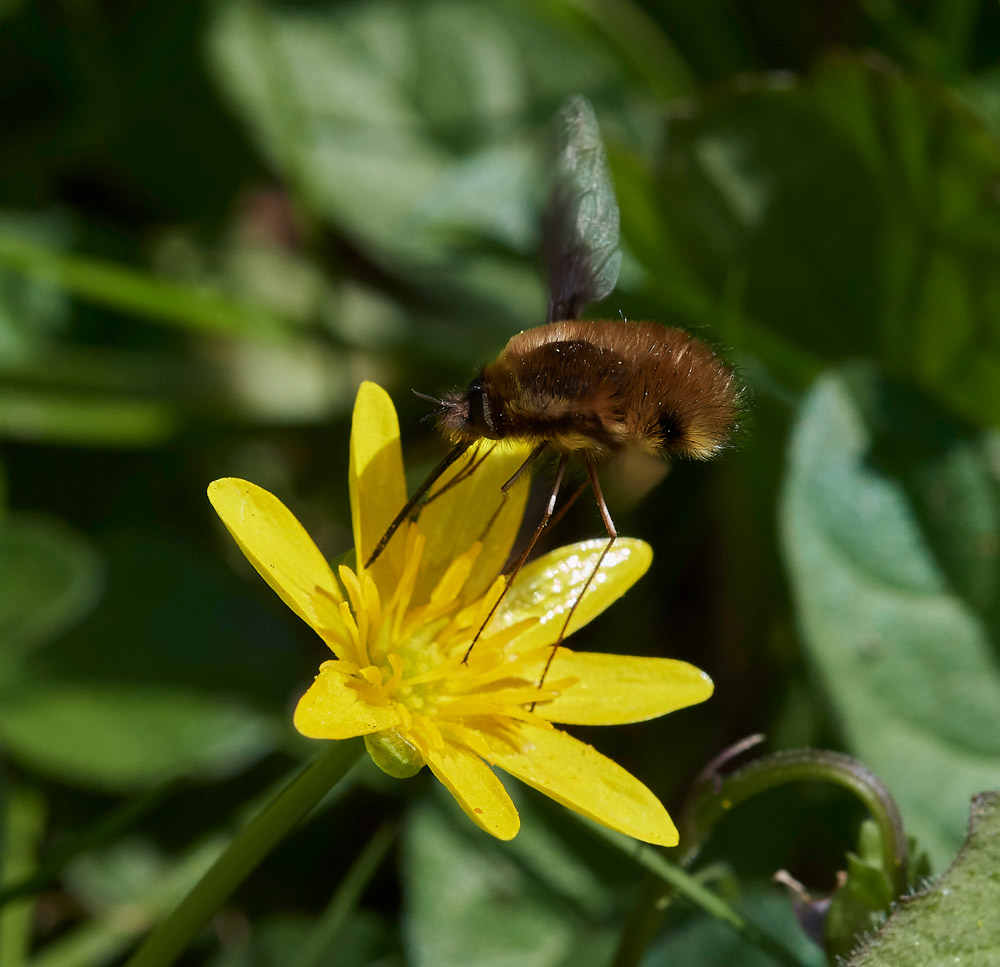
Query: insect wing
[580, 229]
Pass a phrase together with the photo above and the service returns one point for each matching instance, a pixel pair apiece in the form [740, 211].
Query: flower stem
[329, 923]
[714, 797]
[800, 765]
[683, 884]
[244, 853]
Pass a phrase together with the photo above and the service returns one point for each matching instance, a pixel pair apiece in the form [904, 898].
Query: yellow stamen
[402, 595]
[353, 587]
[396, 664]
[352, 630]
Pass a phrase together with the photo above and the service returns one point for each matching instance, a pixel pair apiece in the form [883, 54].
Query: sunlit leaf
[891, 530]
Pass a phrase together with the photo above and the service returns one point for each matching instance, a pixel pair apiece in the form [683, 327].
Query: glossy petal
[615, 689]
[277, 545]
[377, 484]
[476, 789]
[546, 588]
[578, 776]
[339, 706]
[462, 515]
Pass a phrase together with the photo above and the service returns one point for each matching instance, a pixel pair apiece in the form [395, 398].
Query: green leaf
[857, 906]
[177, 671]
[472, 900]
[139, 293]
[118, 736]
[891, 530]
[954, 921]
[397, 122]
[50, 577]
[126, 887]
[364, 939]
[851, 210]
[702, 941]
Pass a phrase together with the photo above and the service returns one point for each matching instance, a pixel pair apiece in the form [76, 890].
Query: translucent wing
[580, 229]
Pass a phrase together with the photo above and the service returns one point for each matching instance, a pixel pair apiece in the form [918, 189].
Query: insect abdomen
[600, 385]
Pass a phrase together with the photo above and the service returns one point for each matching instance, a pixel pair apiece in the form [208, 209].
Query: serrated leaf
[955, 921]
[892, 555]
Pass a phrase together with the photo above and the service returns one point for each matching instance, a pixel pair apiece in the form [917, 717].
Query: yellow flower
[400, 629]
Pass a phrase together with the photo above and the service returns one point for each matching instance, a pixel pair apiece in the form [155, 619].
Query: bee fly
[585, 389]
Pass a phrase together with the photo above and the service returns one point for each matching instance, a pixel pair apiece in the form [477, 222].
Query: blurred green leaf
[955, 920]
[50, 577]
[169, 676]
[117, 736]
[22, 823]
[891, 529]
[127, 888]
[473, 900]
[365, 939]
[710, 943]
[855, 211]
[404, 124]
[84, 420]
[30, 308]
[132, 291]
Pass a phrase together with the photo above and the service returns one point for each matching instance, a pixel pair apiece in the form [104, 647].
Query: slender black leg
[467, 471]
[453, 454]
[546, 517]
[609, 525]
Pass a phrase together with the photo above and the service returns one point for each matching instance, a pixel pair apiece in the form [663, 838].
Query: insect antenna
[427, 417]
[453, 454]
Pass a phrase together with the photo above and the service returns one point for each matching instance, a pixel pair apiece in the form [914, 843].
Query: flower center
[414, 653]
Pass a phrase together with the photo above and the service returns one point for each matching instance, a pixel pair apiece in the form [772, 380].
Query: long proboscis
[453, 454]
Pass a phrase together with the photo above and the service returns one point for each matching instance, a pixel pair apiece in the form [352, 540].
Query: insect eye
[479, 410]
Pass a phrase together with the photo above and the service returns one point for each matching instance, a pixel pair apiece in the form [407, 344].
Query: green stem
[685, 885]
[712, 798]
[801, 765]
[330, 921]
[114, 825]
[244, 853]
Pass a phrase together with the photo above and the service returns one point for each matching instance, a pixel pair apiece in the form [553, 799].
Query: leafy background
[216, 218]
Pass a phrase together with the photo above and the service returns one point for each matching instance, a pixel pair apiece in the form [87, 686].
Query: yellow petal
[615, 689]
[277, 545]
[579, 777]
[377, 484]
[475, 788]
[462, 514]
[339, 706]
[546, 589]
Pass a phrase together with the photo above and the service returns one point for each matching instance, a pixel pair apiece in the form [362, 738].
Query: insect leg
[467, 471]
[525, 467]
[609, 525]
[453, 454]
[542, 524]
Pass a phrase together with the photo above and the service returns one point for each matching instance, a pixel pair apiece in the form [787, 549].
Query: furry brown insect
[586, 389]
[590, 388]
